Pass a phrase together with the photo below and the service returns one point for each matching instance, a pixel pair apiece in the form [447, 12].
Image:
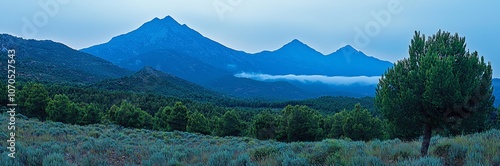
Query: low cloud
[332, 80]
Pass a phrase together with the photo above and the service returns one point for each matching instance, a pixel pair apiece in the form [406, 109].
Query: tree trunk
[427, 140]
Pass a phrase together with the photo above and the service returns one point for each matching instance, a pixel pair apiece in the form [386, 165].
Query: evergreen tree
[34, 98]
[230, 124]
[61, 109]
[264, 125]
[198, 123]
[128, 115]
[178, 117]
[439, 83]
[361, 125]
[337, 130]
[90, 114]
[299, 123]
[161, 119]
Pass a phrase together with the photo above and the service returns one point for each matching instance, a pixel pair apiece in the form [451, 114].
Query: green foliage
[198, 123]
[34, 98]
[128, 115]
[264, 126]
[178, 117]
[230, 124]
[299, 123]
[357, 125]
[61, 109]
[88, 114]
[161, 119]
[439, 83]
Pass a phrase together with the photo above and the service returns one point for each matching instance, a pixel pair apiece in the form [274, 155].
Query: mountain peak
[298, 47]
[296, 42]
[168, 20]
[149, 71]
[348, 48]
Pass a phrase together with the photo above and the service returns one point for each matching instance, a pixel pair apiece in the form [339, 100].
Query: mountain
[150, 80]
[177, 49]
[48, 61]
[176, 63]
[168, 34]
[352, 62]
[300, 59]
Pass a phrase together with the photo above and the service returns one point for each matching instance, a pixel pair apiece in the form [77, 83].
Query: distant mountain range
[179, 50]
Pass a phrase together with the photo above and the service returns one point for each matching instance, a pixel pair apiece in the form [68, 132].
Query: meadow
[55, 143]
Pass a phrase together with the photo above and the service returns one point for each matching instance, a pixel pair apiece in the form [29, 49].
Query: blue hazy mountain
[300, 59]
[177, 49]
[167, 34]
[48, 61]
[176, 63]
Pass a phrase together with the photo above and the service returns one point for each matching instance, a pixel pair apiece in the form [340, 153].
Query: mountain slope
[149, 80]
[167, 34]
[248, 88]
[54, 62]
[178, 64]
[299, 59]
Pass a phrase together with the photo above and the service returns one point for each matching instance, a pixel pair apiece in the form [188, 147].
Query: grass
[54, 143]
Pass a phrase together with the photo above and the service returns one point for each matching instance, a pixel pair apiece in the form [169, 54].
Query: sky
[380, 28]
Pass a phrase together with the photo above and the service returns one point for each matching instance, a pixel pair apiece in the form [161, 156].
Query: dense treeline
[308, 120]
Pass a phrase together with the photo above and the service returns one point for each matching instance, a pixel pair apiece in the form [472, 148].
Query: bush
[475, 156]
[293, 161]
[243, 159]
[263, 152]
[424, 161]
[222, 158]
[34, 156]
[366, 160]
[453, 153]
[54, 159]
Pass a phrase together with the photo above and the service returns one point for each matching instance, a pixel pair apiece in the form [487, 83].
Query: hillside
[48, 61]
[149, 80]
[64, 144]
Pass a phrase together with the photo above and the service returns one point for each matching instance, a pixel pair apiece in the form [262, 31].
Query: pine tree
[264, 126]
[439, 83]
[178, 117]
[34, 97]
[198, 123]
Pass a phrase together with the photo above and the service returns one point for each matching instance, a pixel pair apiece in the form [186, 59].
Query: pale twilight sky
[256, 25]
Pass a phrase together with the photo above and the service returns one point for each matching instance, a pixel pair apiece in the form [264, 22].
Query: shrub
[54, 159]
[243, 159]
[366, 160]
[263, 152]
[402, 151]
[475, 156]
[453, 153]
[424, 161]
[294, 161]
[34, 156]
[222, 158]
